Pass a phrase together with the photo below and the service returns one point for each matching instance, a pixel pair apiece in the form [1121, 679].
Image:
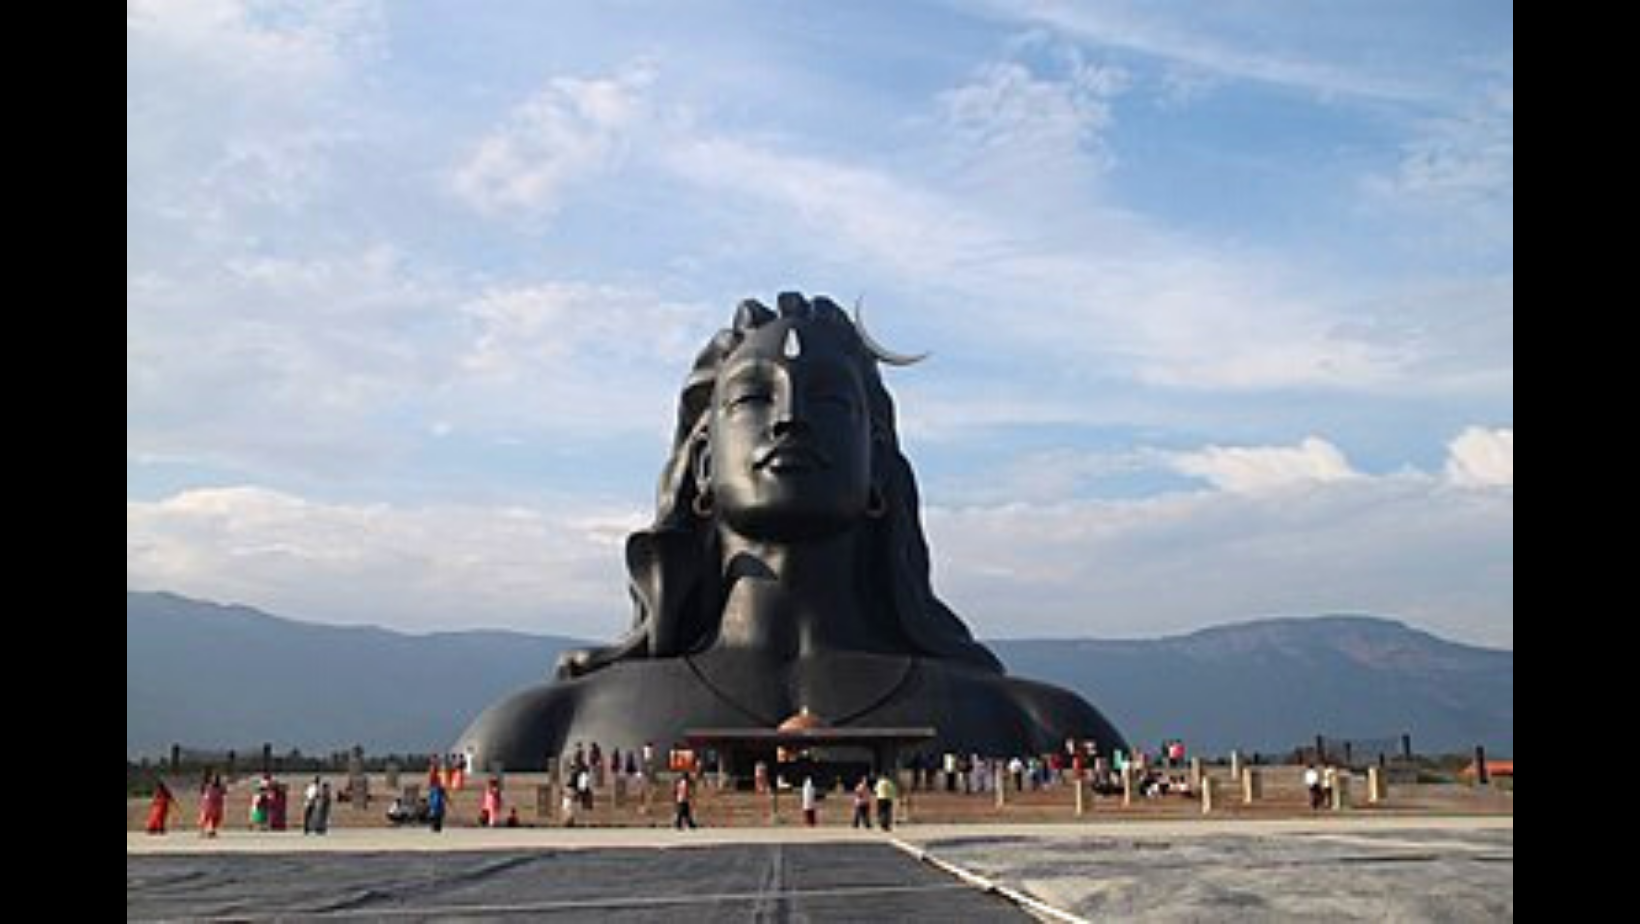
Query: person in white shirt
[1312, 782]
[811, 814]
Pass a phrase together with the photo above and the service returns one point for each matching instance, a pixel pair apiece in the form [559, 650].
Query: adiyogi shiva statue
[785, 570]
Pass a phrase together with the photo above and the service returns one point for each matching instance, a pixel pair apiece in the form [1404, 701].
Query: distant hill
[230, 676]
[1273, 684]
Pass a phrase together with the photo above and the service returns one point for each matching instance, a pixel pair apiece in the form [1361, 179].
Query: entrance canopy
[883, 743]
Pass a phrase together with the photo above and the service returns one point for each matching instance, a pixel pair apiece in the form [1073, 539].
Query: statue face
[790, 438]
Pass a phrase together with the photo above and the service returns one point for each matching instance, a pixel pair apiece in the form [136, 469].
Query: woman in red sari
[159, 812]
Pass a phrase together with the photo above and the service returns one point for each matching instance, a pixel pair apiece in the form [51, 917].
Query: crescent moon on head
[878, 350]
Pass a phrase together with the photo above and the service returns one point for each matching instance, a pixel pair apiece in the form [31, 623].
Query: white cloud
[1183, 36]
[1115, 289]
[1025, 123]
[1456, 173]
[277, 366]
[573, 129]
[524, 329]
[428, 567]
[233, 107]
[1259, 469]
[278, 362]
[1403, 546]
[1479, 458]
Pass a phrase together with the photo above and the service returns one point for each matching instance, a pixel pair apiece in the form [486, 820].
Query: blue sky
[1220, 295]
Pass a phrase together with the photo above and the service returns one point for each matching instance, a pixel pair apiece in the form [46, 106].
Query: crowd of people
[588, 770]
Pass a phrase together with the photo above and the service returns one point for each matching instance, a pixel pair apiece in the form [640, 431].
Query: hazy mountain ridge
[210, 675]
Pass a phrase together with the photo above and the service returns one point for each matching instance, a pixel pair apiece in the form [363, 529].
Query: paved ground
[1350, 867]
[735, 882]
[1405, 873]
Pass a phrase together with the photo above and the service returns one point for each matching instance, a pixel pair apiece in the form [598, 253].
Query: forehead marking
[793, 347]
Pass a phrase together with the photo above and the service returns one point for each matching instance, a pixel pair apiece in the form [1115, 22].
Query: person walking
[490, 811]
[684, 793]
[321, 811]
[310, 806]
[887, 792]
[811, 813]
[159, 810]
[437, 803]
[862, 804]
[259, 807]
[212, 797]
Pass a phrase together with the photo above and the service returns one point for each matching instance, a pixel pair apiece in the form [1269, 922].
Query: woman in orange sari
[159, 812]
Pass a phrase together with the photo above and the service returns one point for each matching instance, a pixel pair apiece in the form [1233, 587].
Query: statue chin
[795, 522]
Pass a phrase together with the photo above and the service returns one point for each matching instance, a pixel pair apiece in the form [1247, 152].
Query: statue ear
[700, 462]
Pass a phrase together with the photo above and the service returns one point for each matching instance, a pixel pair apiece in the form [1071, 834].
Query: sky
[1219, 295]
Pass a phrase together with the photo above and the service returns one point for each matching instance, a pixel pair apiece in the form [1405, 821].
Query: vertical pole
[1250, 788]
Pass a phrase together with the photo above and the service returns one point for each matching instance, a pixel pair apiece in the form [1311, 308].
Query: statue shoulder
[523, 729]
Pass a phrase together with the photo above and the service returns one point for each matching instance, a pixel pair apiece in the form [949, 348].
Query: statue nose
[790, 416]
[788, 425]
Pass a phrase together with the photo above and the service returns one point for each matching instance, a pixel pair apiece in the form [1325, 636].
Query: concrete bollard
[1252, 787]
[1235, 766]
[1377, 792]
[1207, 795]
[1195, 772]
[1341, 792]
[1002, 791]
[1081, 797]
[546, 801]
[1127, 784]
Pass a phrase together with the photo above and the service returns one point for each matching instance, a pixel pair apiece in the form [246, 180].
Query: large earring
[701, 503]
[876, 504]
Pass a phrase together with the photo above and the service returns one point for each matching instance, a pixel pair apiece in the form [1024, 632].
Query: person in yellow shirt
[887, 792]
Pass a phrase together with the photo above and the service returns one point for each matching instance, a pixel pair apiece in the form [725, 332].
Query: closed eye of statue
[749, 399]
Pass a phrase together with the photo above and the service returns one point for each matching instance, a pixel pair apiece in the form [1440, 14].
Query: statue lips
[789, 457]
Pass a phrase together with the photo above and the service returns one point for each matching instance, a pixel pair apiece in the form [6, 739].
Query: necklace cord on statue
[763, 721]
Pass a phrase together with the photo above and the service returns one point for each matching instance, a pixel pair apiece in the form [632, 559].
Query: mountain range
[212, 676]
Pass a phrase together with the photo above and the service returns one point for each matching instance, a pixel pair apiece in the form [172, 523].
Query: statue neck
[795, 600]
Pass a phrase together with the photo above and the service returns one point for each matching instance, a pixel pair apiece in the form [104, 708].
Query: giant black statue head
[785, 434]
